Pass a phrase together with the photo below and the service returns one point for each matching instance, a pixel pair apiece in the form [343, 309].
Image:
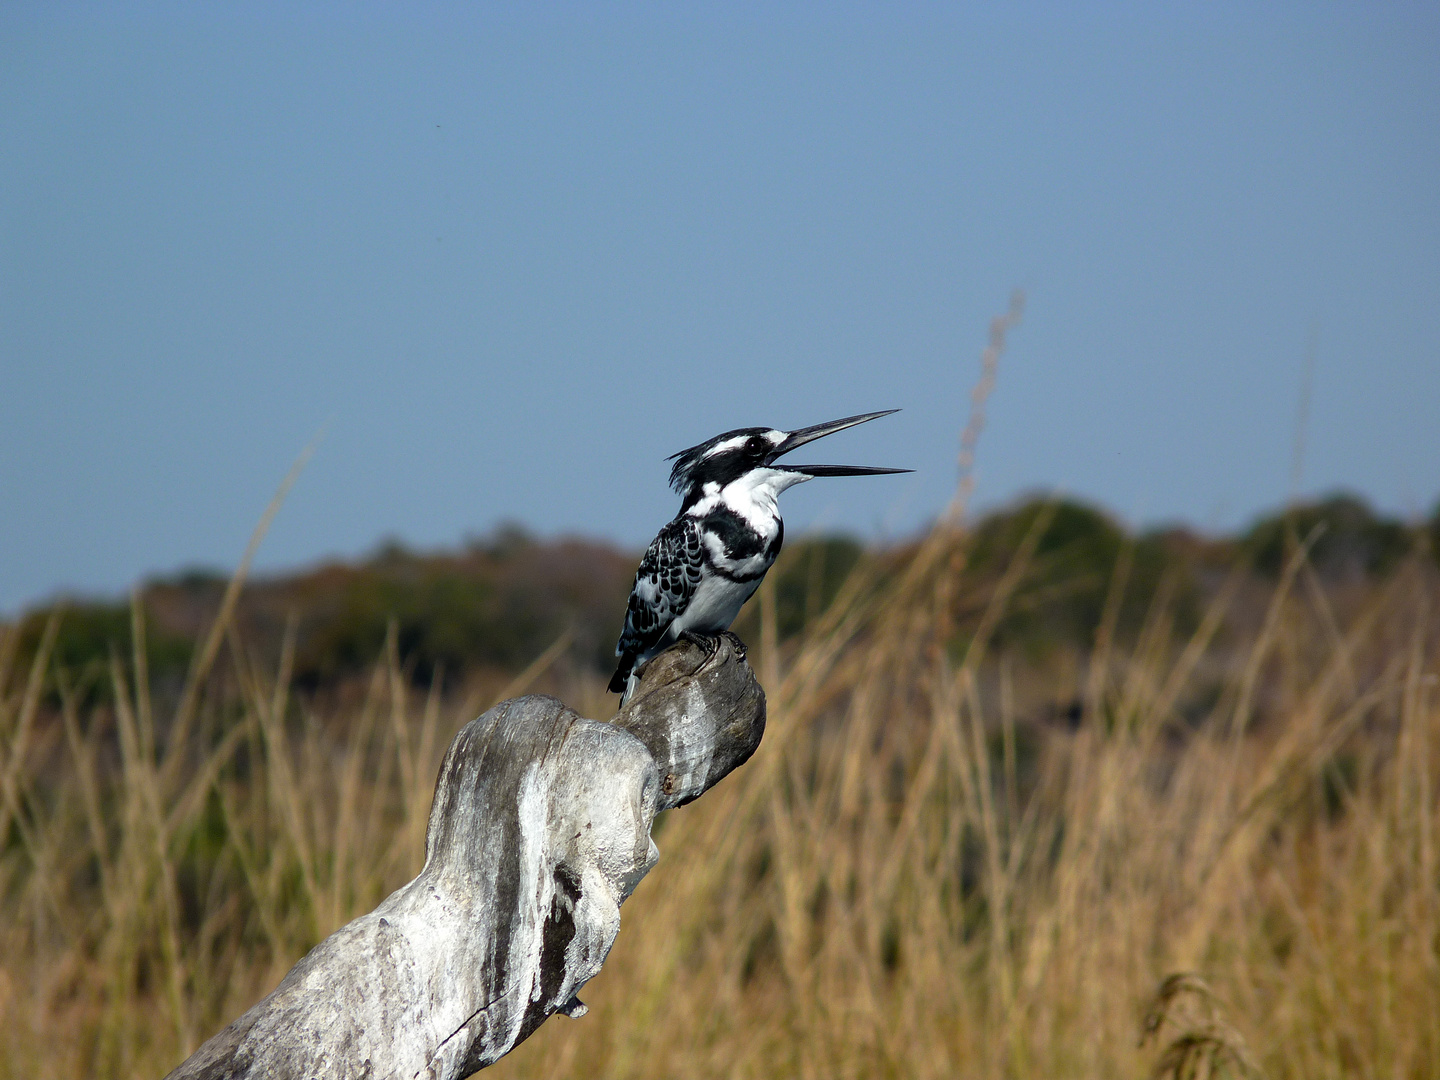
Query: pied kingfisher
[704, 565]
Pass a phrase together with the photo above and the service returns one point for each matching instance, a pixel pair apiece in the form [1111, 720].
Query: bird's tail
[619, 682]
[630, 684]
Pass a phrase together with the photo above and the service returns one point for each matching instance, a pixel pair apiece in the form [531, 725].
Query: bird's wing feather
[666, 582]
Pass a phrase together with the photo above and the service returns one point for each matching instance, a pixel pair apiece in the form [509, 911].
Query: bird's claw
[707, 643]
[735, 643]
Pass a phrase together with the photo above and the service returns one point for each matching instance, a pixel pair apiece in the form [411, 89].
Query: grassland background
[1015, 776]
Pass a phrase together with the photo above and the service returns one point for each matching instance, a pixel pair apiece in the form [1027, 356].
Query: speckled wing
[666, 582]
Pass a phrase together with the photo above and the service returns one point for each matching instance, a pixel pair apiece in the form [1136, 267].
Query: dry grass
[912, 878]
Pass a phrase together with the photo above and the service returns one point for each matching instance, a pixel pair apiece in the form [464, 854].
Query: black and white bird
[703, 566]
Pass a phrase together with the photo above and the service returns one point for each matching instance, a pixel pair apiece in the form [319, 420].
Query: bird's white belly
[714, 606]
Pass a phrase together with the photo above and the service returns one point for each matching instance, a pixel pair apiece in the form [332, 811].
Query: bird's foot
[735, 643]
[708, 643]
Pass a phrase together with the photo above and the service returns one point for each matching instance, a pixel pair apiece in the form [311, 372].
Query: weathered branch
[539, 831]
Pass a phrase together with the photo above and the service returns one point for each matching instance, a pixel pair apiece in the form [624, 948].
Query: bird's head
[736, 454]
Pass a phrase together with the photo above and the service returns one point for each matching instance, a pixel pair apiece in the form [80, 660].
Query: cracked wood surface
[539, 831]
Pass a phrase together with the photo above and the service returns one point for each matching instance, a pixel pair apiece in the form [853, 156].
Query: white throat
[752, 497]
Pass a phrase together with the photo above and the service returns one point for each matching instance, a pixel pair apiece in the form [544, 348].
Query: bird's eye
[757, 445]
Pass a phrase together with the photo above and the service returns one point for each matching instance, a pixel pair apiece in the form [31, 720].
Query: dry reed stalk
[200, 667]
[1000, 326]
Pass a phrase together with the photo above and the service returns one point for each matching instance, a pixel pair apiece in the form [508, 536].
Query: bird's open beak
[841, 470]
[819, 431]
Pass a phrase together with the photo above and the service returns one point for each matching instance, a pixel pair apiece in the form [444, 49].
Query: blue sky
[509, 260]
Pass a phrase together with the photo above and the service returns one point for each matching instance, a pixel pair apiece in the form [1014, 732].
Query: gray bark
[539, 831]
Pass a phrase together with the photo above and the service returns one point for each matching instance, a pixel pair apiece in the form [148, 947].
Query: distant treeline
[500, 601]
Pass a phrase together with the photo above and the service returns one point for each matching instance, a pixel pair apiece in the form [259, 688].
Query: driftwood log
[539, 831]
